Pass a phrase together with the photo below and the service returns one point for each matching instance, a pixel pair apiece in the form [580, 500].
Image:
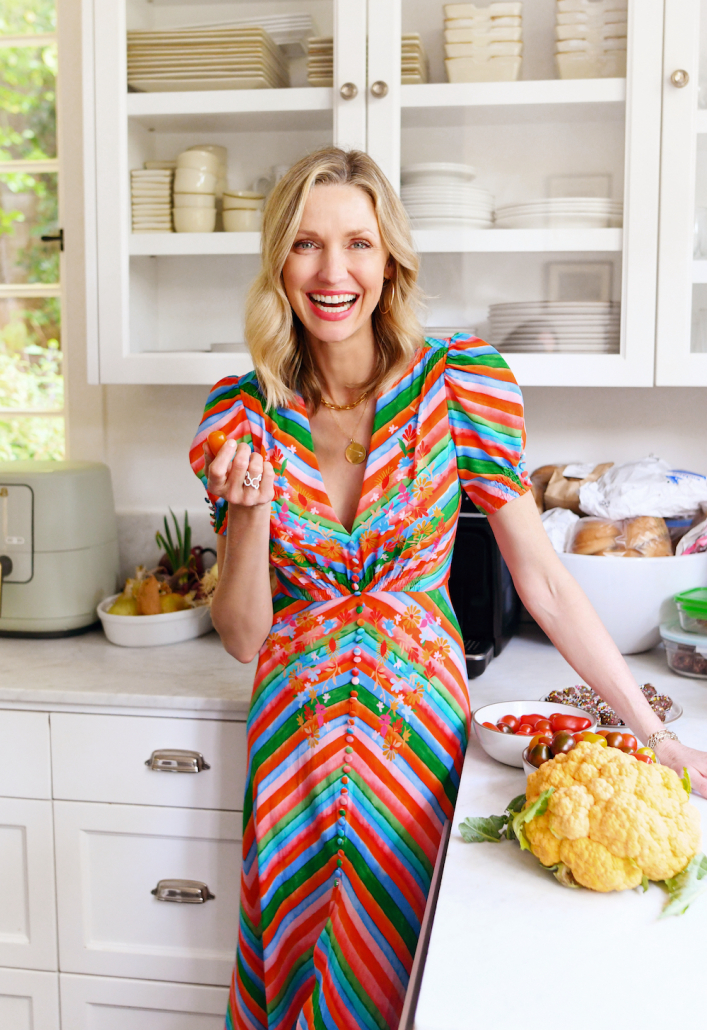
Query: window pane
[34, 437]
[30, 355]
[20, 16]
[28, 210]
[27, 102]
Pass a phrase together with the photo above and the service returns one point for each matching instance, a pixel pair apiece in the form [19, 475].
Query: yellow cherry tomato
[646, 751]
[591, 738]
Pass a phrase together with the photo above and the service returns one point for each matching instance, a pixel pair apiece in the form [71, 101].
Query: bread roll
[649, 535]
[595, 536]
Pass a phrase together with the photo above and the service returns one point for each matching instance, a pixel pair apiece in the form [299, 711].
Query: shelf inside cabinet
[242, 110]
[427, 241]
[464, 103]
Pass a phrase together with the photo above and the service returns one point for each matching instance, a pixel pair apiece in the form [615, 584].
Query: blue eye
[361, 243]
[304, 243]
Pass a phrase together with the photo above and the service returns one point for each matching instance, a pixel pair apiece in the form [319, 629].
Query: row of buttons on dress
[349, 739]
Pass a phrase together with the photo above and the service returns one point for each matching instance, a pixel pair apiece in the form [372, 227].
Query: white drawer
[25, 769]
[29, 1000]
[102, 758]
[108, 860]
[27, 906]
[88, 1002]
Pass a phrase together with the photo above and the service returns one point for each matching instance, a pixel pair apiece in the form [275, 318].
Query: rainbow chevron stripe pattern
[360, 712]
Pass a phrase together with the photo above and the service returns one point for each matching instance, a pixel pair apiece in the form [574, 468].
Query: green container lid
[693, 602]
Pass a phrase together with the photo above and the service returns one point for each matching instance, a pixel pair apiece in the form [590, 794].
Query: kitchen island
[509, 946]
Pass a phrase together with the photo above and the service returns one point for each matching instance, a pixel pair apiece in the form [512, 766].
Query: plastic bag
[558, 523]
[695, 540]
[646, 487]
[642, 537]
[562, 490]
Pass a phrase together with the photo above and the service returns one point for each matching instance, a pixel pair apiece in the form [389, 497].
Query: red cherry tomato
[539, 754]
[216, 440]
[533, 718]
[490, 726]
[543, 726]
[525, 729]
[503, 727]
[540, 738]
[573, 723]
[509, 720]
[644, 758]
[562, 742]
[630, 741]
[614, 739]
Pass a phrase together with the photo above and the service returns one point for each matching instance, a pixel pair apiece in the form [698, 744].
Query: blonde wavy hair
[275, 336]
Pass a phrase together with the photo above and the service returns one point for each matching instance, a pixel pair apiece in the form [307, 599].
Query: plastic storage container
[692, 609]
[686, 652]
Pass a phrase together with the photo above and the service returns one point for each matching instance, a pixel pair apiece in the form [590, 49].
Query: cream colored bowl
[203, 200]
[232, 203]
[221, 153]
[193, 180]
[194, 219]
[242, 221]
[202, 160]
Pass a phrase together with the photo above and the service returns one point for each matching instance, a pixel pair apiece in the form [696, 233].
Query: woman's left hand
[679, 757]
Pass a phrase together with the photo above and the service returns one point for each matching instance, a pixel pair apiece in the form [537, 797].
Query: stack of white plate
[569, 327]
[561, 213]
[590, 39]
[151, 199]
[440, 195]
[289, 31]
[199, 59]
[320, 60]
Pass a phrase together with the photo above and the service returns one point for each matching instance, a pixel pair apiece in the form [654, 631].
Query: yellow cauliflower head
[610, 819]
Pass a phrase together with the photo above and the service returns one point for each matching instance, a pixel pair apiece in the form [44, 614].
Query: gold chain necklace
[344, 407]
[355, 452]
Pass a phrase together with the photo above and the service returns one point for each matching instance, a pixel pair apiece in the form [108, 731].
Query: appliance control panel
[16, 532]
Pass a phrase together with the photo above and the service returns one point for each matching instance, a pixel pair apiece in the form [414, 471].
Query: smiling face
[334, 274]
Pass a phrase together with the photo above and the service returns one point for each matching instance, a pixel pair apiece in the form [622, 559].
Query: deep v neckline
[318, 471]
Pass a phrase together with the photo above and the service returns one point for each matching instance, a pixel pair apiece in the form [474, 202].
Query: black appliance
[481, 589]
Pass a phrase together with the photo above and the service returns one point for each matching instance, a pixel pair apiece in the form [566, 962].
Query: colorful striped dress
[360, 712]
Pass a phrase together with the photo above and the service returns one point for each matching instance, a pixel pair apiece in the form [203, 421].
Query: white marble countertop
[509, 946]
[88, 671]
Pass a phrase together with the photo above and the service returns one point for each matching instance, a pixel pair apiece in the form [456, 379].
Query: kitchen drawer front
[29, 1000]
[110, 857]
[89, 1002]
[102, 758]
[25, 769]
[27, 902]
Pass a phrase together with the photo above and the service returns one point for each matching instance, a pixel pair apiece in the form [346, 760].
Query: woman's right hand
[226, 473]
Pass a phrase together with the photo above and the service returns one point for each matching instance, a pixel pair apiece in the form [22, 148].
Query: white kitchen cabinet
[25, 768]
[29, 1000]
[28, 907]
[104, 758]
[682, 272]
[101, 1003]
[109, 859]
[163, 299]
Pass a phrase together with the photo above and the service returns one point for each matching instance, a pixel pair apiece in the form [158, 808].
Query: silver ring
[253, 481]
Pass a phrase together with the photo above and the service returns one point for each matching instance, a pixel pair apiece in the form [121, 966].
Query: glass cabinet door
[682, 273]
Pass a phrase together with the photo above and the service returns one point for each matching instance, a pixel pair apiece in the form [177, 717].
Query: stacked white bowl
[243, 211]
[590, 39]
[561, 213]
[440, 195]
[198, 172]
[483, 44]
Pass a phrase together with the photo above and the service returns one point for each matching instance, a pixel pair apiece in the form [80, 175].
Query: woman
[347, 450]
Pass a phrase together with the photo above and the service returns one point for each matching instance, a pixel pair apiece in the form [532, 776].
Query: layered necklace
[355, 452]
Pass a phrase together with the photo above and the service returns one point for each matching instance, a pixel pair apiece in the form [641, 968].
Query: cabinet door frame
[79, 993]
[350, 28]
[676, 364]
[41, 988]
[384, 65]
[37, 949]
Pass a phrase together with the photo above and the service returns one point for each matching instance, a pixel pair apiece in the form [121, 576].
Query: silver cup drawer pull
[176, 761]
[183, 892]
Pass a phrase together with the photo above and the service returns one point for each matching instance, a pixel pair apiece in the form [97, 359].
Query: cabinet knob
[680, 78]
[183, 892]
[175, 761]
[348, 91]
[379, 89]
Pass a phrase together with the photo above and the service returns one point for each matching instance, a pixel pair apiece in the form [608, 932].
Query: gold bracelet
[655, 738]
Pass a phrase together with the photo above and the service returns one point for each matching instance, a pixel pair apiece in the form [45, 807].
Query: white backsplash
[136, 536]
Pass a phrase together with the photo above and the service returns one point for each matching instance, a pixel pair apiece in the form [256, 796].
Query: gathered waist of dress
[339, 588]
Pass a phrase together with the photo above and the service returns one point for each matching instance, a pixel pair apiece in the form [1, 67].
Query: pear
[123, 606]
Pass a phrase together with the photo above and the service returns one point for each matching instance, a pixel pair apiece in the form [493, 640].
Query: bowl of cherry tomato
[505, 729]
[543, 747]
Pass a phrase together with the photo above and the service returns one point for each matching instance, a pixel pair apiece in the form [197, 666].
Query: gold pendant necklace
[355, 452]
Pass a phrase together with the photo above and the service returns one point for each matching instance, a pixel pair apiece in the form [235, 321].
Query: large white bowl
[194, 219]
[154, 630]
[632, 596]
[242, 220]
[202, 160]
[507, 747]
[194, 180]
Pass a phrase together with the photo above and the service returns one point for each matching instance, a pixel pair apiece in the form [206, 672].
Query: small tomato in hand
[216, 440]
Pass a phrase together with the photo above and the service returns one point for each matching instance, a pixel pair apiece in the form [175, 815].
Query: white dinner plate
[552, 306]
[437, 171]
[194, 85]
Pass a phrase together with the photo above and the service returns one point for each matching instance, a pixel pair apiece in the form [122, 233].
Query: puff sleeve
[228, 409]
[485, 409]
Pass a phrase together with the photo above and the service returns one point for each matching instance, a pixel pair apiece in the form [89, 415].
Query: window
[31, 380]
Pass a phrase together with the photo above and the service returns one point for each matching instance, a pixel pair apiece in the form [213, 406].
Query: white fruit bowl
[632, 596]
[507, 747]
[154, 630]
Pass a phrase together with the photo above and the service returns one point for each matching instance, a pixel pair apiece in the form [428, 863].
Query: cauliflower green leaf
[538, 807]
[686, 781]
[478, 830]
[685, 887]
